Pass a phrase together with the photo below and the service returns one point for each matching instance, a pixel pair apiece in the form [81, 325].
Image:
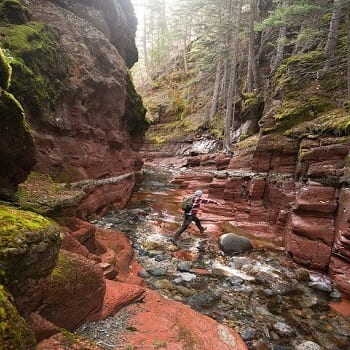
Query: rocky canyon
[74, 139]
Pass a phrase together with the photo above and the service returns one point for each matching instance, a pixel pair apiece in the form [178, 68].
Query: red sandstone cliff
[86, 118]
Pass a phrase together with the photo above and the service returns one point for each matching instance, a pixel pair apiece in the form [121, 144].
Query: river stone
[283, 329]
[308, 345]
[230, 243]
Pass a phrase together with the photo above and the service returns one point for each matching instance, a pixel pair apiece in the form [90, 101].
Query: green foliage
[291, 15]
[5, 71]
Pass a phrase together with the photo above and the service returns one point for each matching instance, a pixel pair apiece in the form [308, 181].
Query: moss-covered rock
[136, 111]
[335, 123]
[302, 93]
[17, 150]
[14, 332]
[75, 290]
[12, 11]
[29, 246]
[39, 65]
[5, 71]
[39, 193]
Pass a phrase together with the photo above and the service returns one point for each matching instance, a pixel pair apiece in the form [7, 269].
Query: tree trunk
[216, 93]
[252, 71]
[145, 52]
[232, 82]
[332, 32]
[280, 44]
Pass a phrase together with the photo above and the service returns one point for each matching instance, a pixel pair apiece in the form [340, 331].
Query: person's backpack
[187, 203]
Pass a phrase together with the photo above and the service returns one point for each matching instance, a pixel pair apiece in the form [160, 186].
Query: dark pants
[188, 218]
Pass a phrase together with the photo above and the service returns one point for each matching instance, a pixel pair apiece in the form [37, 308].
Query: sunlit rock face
[89, 121]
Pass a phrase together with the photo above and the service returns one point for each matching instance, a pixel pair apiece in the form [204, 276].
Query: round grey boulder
[230, 243]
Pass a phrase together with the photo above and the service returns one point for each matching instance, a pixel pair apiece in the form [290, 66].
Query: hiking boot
[203, 229]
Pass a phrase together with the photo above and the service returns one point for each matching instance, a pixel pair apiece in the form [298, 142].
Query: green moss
[39, 65]
[64, 272]
[11, 107]
[16, 224]
[248, 143]
[136, 111]
[300, 109]
[333, 123]
[12, 11]
[41, 194]
[5, 71]
[157, 139]
[14, 332]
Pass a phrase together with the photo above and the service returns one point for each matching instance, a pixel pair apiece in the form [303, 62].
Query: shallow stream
[270, 301]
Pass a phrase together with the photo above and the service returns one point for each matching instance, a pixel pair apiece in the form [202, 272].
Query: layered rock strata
[293, 192]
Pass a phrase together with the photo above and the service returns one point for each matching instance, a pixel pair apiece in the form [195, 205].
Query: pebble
[308, 345]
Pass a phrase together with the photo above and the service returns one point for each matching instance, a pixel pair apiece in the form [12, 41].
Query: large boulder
[75, 290]
[230, 243]
[29, 246]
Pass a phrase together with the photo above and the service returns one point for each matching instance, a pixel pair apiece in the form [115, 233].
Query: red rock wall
[98, 121]
[296, 193]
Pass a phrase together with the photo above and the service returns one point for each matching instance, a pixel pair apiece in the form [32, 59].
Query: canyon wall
[70, 64]
[71, 126]
[294, 192]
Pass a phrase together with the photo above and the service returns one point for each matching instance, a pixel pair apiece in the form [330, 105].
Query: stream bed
[269, 300]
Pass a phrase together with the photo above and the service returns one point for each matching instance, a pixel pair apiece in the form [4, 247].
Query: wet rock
[259, 345]
[203, 300]
[335, 294]
[230, 243]
[248, 334]
[186, 292]
[308, 345]
[283, 329]
[302, 274]
[143, 273]
[238, 262]
[157, 272]
[236, 281]
[187, 277]
[321, 284]
[184, 266]
[222, 270]
[163, 284]
[280, 347]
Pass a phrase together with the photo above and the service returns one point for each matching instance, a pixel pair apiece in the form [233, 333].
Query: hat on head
[198, 193]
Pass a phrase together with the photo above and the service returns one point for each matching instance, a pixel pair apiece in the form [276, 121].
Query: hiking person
[191, 207]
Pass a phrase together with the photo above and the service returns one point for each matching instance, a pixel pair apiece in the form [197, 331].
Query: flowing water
[270, 301]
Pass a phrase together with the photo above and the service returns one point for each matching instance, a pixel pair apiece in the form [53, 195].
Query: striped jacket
[197, 203]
